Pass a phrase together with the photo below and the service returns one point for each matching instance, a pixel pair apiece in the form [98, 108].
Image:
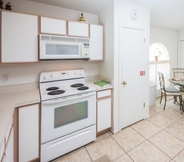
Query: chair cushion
[172, 89]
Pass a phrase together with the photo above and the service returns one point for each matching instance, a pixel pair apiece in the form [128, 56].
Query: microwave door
[60, 51]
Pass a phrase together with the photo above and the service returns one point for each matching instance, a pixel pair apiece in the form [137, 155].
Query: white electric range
[68, 112]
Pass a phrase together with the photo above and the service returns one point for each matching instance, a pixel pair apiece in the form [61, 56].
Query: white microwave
[61, 47]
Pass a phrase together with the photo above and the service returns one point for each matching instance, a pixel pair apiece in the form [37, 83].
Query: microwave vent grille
[45, 37]
[83, 40]
[64, 39]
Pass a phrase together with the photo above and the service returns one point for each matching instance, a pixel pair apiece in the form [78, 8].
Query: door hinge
[144, 39]
[144, 104]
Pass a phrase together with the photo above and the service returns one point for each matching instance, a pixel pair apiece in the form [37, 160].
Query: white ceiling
[164, 13]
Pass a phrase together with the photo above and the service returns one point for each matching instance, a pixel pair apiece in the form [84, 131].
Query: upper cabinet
[52, 26]
[19, 37]
[78, 29]
[96, 42]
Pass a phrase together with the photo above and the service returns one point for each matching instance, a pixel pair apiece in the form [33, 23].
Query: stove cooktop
[62, 84]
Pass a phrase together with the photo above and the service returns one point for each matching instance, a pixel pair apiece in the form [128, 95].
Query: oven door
[63, 116]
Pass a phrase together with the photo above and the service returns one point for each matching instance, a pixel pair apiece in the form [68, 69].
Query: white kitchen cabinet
[52, 26]
[28, 124]
[96, 43]
[103, 110]
[3, 159]
[78, 29]
[19, 37]
[9, 151]
[1, 149]
[8, 129]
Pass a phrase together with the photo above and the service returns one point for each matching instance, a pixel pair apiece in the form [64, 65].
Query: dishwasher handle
[67, 98]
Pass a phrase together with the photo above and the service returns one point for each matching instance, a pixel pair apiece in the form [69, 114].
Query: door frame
[120, 73]
[179, 52]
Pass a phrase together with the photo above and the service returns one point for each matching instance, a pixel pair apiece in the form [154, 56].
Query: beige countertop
[8, 103]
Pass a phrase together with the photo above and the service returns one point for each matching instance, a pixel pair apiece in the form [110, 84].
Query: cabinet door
[28, 133]
[53, 26]
[19, 37]
[9, 151]
[103, 114]
[1, 149]
[78, 29]
[3, 159]
[96, 42]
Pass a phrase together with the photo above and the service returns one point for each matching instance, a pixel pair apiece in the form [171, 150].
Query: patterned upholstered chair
[178, 72]
[168, 91]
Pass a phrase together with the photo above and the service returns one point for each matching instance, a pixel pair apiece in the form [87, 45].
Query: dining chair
[169, 91]
[178, 72]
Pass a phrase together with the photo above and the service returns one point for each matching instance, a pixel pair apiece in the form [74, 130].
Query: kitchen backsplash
[29, 73]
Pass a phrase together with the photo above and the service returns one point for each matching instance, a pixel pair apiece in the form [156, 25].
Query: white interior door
[132, 75]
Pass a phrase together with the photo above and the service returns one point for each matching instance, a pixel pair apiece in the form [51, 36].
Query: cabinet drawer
[104, 93]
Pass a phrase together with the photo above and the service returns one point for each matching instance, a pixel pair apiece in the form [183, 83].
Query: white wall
[181, 34]
[29, 73]
[50, 11]
[122, 17]
[168, 38]
[181, 48]
[118, 12]
[106, 17]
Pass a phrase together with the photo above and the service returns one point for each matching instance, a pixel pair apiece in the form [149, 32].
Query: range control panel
[61, 75]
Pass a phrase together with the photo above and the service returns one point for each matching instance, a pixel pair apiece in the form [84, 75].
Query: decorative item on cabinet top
[81, 18]
[8, 6]
[1, 4]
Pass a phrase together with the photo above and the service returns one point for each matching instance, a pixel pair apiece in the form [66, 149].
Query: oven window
[71, 113]
[52, 49]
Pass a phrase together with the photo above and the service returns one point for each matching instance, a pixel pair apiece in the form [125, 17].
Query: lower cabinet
[1, 150]
[9, 150]
[28, 133]
[7, 145]
[103, 110]
[3, 159]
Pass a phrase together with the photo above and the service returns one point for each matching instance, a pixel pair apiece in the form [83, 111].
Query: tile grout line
[122, 149]
[164, 129]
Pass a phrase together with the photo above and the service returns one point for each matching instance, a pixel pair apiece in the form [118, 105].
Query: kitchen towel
[102, 83]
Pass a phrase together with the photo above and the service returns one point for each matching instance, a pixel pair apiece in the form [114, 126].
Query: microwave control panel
[85, 51]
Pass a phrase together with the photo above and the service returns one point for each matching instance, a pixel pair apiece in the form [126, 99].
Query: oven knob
[52, 75]
[45, 77]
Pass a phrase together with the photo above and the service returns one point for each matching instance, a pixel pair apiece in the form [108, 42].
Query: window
[159, 61]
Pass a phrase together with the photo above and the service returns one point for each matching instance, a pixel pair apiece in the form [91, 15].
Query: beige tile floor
[159, 138]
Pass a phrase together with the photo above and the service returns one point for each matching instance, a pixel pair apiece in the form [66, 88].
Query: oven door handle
[63, 99]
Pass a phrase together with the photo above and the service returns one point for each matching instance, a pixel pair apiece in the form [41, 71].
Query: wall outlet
[5, 77]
